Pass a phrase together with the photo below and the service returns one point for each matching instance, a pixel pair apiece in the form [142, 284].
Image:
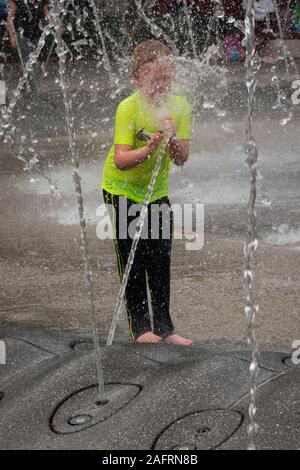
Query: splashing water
[282, 94]
[156, 30]
[194, 79]
[107, 65]
[283, 45]
[6, 127]
[202, 70]
[219, 9]
[251, 308]
[284, 235]
[6, 117]
[188, 20]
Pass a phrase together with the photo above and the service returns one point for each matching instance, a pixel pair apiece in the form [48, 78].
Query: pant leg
[136, 300]
[158, 261]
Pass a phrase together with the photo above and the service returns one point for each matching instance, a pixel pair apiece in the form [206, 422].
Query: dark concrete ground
[161, 396]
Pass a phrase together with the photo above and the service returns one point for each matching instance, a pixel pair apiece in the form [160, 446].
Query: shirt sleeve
[184, 126]
[124, 125]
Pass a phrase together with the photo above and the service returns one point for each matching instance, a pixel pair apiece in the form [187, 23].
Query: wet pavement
[42, 270]
[159, 396]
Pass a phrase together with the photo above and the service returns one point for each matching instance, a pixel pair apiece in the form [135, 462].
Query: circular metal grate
[82, 409]
[201, 430]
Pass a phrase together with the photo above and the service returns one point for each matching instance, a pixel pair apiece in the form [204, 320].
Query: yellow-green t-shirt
[134, 114]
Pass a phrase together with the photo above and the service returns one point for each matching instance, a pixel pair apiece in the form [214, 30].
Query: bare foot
[176, 339]
[149, 337]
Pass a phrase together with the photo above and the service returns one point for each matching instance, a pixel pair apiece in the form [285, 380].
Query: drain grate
[82, 409]
[206, 429]
[188, 446]
[82, 345]
[79, 420]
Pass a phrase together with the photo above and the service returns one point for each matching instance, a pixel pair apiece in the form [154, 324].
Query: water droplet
[219, 11]
[284, 121]
[266, 201]
[230, 19]
[208, 105]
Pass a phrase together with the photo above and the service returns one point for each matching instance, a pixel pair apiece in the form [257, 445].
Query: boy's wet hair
[147, 52]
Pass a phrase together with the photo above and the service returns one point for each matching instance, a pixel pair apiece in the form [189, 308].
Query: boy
[153, 110]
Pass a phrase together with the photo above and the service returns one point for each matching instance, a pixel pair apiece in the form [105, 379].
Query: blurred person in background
[262, 11]
[3, 19]
[24, 22]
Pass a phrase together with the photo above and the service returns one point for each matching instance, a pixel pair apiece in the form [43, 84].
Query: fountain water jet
[61, 52]
[251, 245]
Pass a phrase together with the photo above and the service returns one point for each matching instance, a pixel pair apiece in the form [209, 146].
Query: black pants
[153, 256]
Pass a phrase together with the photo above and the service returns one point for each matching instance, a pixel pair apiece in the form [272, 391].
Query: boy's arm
[126, 157]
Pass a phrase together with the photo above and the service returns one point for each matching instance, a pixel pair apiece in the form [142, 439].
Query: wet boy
[155, 111]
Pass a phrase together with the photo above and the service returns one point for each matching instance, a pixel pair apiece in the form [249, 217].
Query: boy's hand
[167, 125]
[154, 142]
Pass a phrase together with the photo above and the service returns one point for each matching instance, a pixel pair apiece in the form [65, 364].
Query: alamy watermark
[188, 222]
[296, 95]
[296, 352]
[2, 352]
